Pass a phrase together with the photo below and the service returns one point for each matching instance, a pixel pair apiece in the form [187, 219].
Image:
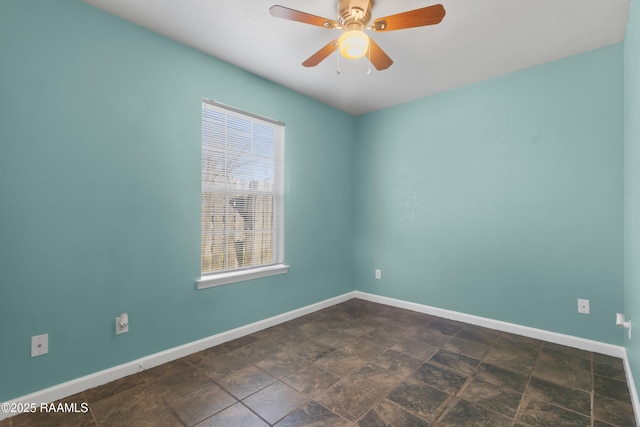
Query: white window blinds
[242, 190]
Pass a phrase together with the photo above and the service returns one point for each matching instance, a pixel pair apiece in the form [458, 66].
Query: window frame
[224, 277]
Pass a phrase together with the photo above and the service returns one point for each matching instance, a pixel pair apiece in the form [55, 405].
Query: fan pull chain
[338, 70]
[369, 59]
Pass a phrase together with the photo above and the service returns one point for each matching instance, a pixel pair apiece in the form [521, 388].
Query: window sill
[219, 279]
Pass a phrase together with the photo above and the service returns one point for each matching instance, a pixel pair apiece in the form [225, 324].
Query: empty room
[337, 213]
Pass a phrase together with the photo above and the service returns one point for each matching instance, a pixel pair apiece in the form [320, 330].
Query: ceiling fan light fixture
[354, 16]
[353, 44]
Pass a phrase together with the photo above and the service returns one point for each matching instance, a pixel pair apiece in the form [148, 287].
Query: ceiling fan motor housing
[354, 14]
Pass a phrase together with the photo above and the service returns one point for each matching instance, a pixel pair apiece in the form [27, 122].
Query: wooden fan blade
[305, 18]
[320, 55]
[429, 15]
[378, 57]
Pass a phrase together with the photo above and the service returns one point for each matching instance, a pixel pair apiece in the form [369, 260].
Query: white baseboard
[554, 337]
[78, 385]
[87, 382]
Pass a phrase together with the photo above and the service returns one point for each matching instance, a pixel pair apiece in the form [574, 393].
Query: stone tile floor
[365, 364]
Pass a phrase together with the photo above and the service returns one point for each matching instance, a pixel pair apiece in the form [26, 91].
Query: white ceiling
[476, 40]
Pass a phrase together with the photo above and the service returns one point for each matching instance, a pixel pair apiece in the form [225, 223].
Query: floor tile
[445, 326]
[246, 381]
[496, 398]
[354, 329]
[53, 417]
[256, 351]
[270, 334]
[381, 338]
[294, 324]
[572, 399]
[611, 388]
[608, 366]
[289, 339]
[572, 352]
[518, 342]
[612, 411]
[311, 380]
[310, 350]
[313, 414]
[467, 348]
[218, 350]
[234, 416]
[454, 361]
[399, 363]
[348, 399]
[366, 348]
[462, 413]
[280, 364]
[515, 360]
[223, 365]
[420, 399]
[161, 417]
[479, 334]
[335, 339]
[166, 369]
[319, 327]
[503, 377]
[179, 382]
[417, 349]
[403, 329]
[414, 317]
[126, 405]
[563, 373]
[341, 363]
[274, 402]
[194, 407]
[439, 378]
[537, 412]
[387, 414]
[566, 357]
[375, 379]
[431, 337]
[114, 387]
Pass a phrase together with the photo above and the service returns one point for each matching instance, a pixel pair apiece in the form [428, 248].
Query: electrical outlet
[583, 306]
[378, 274]
[623, 323]
[39, 345]
[122, 324]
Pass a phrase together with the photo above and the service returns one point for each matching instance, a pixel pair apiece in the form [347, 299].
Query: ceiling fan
[353, 18]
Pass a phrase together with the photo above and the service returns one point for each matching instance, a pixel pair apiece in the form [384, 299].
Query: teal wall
[632, 185]
[100, 194]
[502, 199]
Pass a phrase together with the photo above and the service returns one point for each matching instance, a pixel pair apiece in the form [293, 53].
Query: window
[242, 196]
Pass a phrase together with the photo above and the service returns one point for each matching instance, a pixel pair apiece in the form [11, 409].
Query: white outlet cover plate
[39, 345]
[120, 329]
[583, 306]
